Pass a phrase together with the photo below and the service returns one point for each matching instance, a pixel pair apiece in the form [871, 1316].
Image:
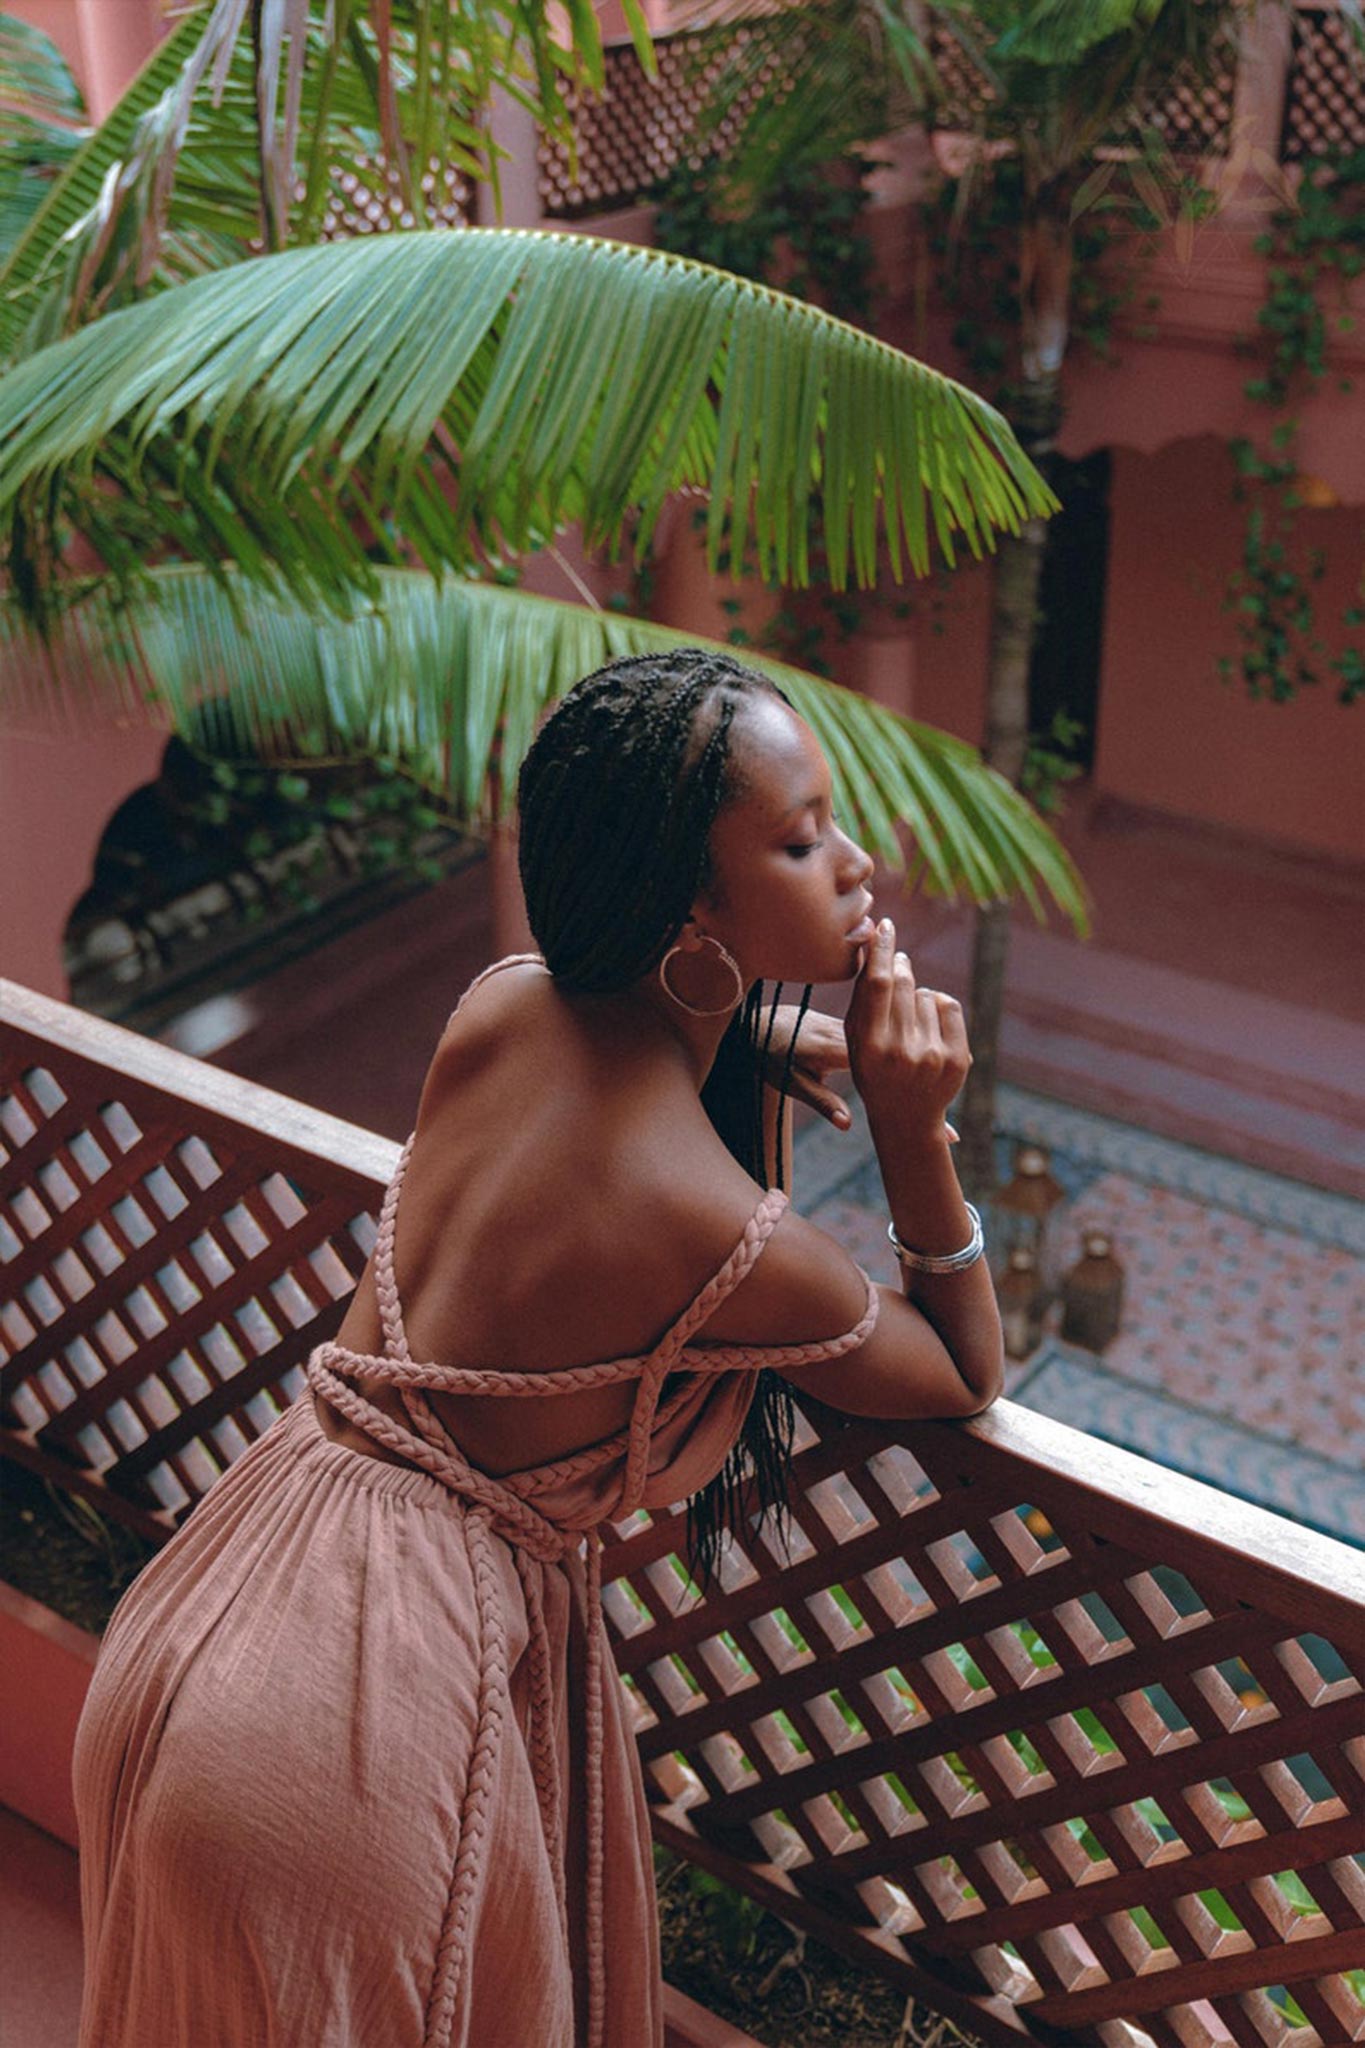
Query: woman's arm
[909, 1054]
[936, 1350]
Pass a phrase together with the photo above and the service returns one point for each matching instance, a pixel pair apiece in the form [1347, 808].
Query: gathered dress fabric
[355, 1769]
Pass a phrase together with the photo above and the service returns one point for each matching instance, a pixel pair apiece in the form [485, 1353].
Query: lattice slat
[1066, 1745]
[628, 139]
[1324, 107]
[169, 1256]
[1021, 1740]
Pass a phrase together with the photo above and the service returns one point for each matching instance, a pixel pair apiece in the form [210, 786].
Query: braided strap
[756, 1233]
[428, 1447]
[544, 1752]
[480, 1379]
[483, 1768]
[593, 1719]
[385, 1284]
[752, 1357]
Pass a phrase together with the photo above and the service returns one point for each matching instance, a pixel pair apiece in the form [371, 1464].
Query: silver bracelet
[951, 1262]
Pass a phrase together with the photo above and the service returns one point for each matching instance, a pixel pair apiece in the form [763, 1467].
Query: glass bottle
[1092, 1294]
[1021, 1300]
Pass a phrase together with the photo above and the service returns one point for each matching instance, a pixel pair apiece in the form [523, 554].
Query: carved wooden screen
[628, 139]
[1324, 107]
[173, 1242]
[1069, 1746]
[1064, 1744]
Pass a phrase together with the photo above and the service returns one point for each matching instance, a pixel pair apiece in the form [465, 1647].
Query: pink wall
[106, 42]
[45, 1666]
[56, 796]
[1171, 734]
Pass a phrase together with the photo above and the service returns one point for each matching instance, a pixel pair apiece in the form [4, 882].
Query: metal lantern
[1092, 1294]
[1023, 1207]
[1022, 1300]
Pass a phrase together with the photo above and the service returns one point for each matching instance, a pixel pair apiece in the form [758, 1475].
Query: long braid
[618, 795]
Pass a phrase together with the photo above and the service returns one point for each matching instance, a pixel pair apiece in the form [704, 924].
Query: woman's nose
[859, 863]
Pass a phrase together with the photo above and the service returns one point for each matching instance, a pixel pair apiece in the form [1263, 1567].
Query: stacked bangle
[950, 1262]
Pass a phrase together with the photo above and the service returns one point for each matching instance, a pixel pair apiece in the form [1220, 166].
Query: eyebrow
[811, 803]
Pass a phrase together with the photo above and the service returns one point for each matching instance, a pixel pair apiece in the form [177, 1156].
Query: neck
[696, 1039]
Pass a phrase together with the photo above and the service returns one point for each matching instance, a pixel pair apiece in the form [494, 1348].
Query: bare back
[567, 1196]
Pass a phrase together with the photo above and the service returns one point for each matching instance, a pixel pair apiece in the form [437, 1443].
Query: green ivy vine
[1313, 251]
[814, 215]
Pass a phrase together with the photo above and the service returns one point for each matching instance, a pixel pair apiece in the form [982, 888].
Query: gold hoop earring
[726, 959]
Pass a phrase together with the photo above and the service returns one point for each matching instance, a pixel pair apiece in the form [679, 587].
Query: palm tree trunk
[1045, 289]
[1014, 612]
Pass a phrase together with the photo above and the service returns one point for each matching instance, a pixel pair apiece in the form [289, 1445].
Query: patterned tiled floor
[1241, 1357]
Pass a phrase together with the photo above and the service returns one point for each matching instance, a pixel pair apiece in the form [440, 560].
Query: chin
[837, 962]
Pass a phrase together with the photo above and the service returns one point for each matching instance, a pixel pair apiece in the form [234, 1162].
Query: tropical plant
[308, 427]
[42, 123]
[1064, 92]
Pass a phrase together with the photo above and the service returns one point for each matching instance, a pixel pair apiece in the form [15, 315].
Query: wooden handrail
[1060, 1741]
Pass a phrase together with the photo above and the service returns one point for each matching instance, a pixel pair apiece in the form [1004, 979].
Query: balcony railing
[1070, 1747]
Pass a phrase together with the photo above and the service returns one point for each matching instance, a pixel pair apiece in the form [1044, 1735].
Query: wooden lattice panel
[1049, 1757]
[368, 200]
[639, 129]
[630, 137]
[1071, 1747]
[1324, 107]
[173, 1242]
[1193, 116]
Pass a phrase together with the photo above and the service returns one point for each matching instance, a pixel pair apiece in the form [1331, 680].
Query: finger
[953, 1138]
[906, 1002]
[873, 995]
[804, 1087]
[825, 1049]
[927, 1018]
[953, 1025]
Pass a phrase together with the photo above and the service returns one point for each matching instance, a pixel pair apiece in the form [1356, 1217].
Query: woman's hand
[907, 1046]
[821, 1049]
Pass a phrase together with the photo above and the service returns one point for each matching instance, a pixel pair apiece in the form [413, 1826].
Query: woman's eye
[800, 851]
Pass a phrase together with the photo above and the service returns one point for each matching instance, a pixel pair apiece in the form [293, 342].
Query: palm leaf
[253, 115]
[42, 123]
[450, 678]
[38, 254]
[475, 391]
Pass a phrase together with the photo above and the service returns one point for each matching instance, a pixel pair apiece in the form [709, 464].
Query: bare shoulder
[802, 1289]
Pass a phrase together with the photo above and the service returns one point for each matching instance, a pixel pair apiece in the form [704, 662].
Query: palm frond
[254, 114]
[39, 256]
[42, 123]
[450, 679]
[800, 85]
[475, 391]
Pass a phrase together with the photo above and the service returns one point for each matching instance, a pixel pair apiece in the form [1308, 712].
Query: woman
[354, 1767]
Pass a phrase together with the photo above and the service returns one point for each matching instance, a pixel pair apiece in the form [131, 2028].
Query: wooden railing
[1070, 1747]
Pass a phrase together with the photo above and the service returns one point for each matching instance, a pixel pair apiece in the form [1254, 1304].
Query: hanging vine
[1314, 251]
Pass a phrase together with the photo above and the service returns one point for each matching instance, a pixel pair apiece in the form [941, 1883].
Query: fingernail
[842, 1118]
[885, 928]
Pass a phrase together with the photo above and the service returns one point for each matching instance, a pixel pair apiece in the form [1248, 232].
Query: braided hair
[617, 798]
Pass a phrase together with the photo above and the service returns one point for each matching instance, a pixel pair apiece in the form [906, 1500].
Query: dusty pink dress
[355, 1769]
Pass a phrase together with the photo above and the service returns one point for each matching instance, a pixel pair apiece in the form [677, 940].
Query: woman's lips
[862, 933]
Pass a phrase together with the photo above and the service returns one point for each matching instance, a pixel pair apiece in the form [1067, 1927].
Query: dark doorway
[1065, 672]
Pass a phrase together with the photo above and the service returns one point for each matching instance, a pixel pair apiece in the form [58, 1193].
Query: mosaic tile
[1241, 1355]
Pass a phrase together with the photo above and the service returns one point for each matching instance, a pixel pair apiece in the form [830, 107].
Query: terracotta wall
[104, 41]
[1171, 733]
[56, 796]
